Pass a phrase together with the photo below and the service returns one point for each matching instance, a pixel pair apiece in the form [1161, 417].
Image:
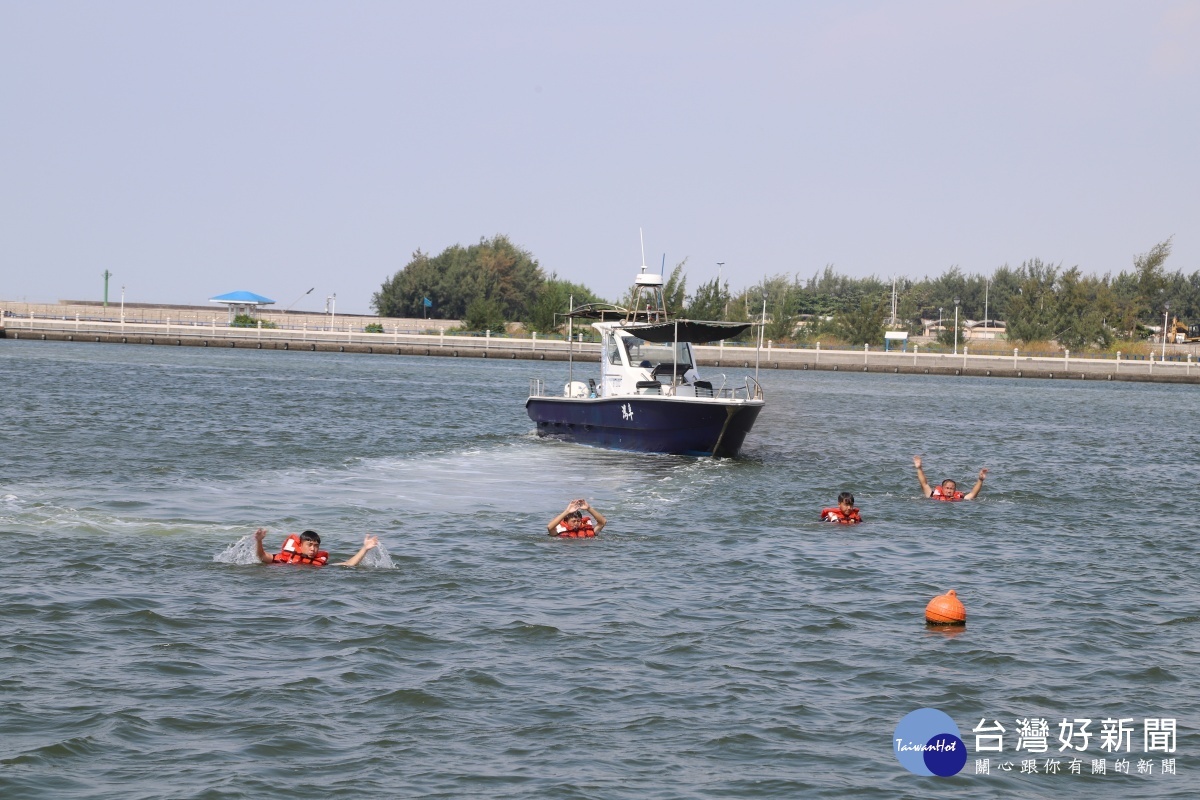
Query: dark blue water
[715, 641]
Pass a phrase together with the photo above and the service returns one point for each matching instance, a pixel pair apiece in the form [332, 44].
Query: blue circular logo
[927, 742]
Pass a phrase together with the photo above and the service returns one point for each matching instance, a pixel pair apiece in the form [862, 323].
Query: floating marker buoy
[946, 609]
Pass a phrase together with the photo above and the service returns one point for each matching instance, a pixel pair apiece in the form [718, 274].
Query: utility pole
[106, 276]
[720, 267]
[1166, 309]
[893, 302]
[986, 286]
[956, 326]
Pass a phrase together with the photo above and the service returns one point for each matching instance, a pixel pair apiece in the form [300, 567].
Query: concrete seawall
[1180, 367]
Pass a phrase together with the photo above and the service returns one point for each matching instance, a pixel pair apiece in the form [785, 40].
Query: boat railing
[537, 387]
[751, 390]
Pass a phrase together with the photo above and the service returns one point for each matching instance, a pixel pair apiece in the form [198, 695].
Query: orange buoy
[946, 609]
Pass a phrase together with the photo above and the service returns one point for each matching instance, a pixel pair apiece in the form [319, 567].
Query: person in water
[947, 490]
[574, 524]
[844, 513]
[304, 548]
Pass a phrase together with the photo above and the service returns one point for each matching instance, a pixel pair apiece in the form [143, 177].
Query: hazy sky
[198, 148]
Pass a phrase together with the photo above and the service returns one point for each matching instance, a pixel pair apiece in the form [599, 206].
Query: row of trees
[485, 285]
[495, 281]
[1037, 301]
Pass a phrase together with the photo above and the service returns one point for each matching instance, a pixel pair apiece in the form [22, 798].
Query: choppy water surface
[715, 641]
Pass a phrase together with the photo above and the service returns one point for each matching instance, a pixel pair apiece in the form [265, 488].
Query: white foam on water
[378, 558]
[242, 551]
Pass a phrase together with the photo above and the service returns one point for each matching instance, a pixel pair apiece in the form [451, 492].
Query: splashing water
[377, 558]
[242, 551]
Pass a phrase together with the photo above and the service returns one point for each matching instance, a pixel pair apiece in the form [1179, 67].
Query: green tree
[948, 287]
[1152, 280]
[675, 290]
[1140, 295]
[710, 301]
[484, 315]
[1004, 284]
[1084, 304]
[947, 336]
[554, 299]
[494, 269]
[864, 324]
[1033, 310]
[1184, 295]
[403, 294]
[781, 324]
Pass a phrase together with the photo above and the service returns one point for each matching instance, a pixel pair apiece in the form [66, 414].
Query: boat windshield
[642, 351]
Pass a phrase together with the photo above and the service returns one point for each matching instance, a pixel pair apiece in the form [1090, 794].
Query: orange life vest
[836, 514]
[288, 554]
[938, 494]
[584, 531]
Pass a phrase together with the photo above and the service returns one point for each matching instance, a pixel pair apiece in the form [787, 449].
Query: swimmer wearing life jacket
[573, 524]
[844, 513]
[947, 490]
[303, 549]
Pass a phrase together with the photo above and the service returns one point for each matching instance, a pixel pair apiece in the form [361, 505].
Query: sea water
[715, 641]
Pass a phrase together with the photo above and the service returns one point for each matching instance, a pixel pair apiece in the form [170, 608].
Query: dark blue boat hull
[646, 423]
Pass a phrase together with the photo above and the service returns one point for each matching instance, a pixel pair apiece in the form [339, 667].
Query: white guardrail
[1177, 362]
[391, 334]
[1173, 363]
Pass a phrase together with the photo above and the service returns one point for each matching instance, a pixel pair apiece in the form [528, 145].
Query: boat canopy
[687, 330]
[604, 312]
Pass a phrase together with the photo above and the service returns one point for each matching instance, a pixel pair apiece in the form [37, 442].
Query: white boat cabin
[631, 365]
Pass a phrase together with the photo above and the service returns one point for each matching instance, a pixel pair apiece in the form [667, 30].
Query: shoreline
[396, 340]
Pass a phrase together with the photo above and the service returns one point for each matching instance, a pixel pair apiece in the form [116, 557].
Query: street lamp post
[122, 304]
[720, 266]
[939, 322]
[106, 276]
[956, 326]
[1166, 308]
[986, 286]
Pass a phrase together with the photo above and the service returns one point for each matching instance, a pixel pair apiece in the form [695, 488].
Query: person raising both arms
[947, 490]
[573, 524]
[844, 513]
[304, 548]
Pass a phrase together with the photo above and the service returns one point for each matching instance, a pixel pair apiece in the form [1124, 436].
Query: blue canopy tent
[242, 302]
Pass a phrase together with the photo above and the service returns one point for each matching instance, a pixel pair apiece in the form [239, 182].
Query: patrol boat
[649, 395]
